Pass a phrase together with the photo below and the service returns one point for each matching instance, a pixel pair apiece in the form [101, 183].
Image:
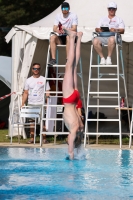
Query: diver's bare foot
[69, 32]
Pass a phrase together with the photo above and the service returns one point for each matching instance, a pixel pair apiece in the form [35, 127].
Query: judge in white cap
[115, 24]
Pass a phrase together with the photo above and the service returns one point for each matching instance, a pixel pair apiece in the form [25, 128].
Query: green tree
[22, 13]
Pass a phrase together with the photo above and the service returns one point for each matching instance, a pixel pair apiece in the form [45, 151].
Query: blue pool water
[30, 174]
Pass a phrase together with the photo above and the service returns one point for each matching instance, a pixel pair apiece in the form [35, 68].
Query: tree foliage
[22, 13]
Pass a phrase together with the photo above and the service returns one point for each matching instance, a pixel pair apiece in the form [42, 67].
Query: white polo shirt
[35, 87]
[115, 22]
[68, 21]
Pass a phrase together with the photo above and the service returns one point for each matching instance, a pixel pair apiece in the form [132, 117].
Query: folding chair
[29, 112]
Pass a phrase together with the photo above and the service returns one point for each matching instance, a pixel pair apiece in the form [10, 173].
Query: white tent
[5, 85]
[30, 42]
[5, 70]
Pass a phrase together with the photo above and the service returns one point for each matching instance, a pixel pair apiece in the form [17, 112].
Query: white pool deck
[52, 145]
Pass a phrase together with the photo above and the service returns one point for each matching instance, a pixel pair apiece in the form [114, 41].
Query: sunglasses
[112, 9]
[65, 9]
[36, 69]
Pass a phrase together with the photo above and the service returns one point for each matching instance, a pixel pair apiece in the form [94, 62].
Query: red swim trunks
[73, 98]
[79, 104]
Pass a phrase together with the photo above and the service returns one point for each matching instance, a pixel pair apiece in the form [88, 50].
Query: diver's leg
[68, 81]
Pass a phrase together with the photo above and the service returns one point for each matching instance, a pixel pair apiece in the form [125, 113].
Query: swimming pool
[33, 173]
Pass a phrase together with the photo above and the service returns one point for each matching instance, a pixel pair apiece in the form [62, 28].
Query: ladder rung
[101, 120]
[59, 65]
[104, 97]
[55, 133]
[103, 133]
[61, 45]
[49, 119]
[54, 79]
[19, 123]
[104, 65]
[103, 106]
[104, 79]
[56, 96]
[125, 108]
[103, 92]
[56, 65]
[78, 73]
[110, 74]
[53, 105]
[53, 92]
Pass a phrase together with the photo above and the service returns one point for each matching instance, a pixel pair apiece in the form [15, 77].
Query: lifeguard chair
[97, 96]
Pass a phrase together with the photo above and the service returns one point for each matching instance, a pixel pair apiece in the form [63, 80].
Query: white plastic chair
[29, 112]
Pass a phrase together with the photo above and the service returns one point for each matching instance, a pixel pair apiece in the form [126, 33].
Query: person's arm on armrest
[119, 30]
[24, 97]
[98, 30]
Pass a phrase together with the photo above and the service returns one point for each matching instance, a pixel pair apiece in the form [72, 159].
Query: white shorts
[103, 40]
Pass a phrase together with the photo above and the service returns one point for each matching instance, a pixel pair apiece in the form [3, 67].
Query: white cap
[112, 4]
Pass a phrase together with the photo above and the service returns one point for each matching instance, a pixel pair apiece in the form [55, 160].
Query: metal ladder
[57, 94]
[98, 95]
[131, 129]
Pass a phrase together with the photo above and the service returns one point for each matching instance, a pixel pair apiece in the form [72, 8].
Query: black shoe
[52, 62]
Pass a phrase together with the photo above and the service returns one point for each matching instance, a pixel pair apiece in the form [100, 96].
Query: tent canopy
[5, 85]
[89, 12]
[5, 70]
